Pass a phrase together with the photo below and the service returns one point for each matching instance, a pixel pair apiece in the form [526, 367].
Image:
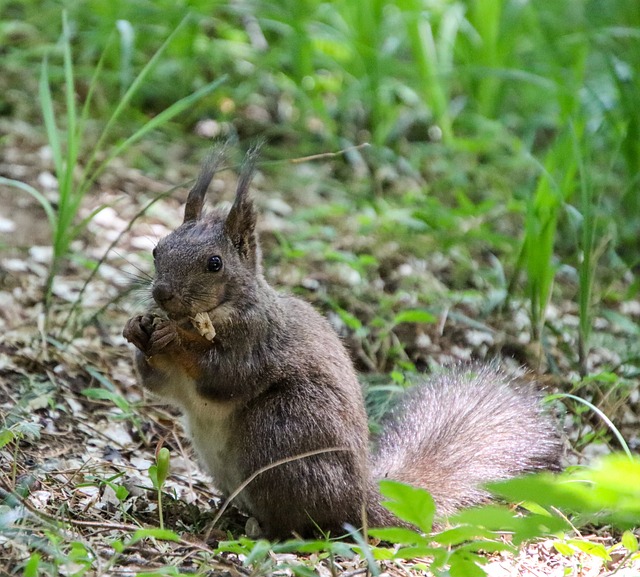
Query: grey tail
[464, 428]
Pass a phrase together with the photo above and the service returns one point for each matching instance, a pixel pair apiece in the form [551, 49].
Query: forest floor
[88, 433]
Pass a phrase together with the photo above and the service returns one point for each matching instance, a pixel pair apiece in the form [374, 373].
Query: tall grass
[68, 151]
[365, 27]
[588, 259]
[555, 187]
[538, 73]
[433, 56]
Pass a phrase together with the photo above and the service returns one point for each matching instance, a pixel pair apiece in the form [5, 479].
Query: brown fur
[276, 382]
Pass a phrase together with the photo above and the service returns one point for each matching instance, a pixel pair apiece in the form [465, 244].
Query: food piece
[202, 323]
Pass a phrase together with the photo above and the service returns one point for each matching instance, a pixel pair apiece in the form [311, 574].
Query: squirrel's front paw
[138, 331]
[151, 333]
[165, 333]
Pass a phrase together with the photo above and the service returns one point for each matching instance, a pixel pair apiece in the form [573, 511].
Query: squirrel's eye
[154, 252]
[214, 264]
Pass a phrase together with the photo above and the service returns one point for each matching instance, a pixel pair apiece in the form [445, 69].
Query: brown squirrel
[275, 382]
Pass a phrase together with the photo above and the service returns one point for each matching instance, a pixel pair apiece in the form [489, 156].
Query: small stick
[328, 154]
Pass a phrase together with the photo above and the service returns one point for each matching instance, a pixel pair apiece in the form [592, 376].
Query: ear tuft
[195, 200]
[241, 221]
[247, 172]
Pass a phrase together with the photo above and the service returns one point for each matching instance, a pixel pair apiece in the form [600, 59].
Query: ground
[87, 434]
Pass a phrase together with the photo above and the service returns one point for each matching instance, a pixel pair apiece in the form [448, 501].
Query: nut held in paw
[202, 323]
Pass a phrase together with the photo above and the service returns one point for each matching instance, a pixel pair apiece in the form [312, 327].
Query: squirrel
[270, 379]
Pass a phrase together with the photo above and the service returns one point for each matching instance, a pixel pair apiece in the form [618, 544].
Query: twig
[255, 474]
[621, 563]
[356, 572]
[328, 154]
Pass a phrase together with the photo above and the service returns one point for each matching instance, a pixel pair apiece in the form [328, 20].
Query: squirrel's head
[211, 262]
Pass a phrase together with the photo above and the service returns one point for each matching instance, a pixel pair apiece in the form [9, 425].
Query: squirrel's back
[465, 427]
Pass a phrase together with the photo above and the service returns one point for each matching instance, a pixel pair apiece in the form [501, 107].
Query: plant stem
[160, 515]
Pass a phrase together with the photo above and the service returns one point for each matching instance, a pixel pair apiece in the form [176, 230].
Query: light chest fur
[209, 425]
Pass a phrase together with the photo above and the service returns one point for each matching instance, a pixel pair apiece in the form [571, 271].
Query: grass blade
[128, 95]
[42, 200]
[598, 412]
[49, 117]
[158, 120]
[93, 83]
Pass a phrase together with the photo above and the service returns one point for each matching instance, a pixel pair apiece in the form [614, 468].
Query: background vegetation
[500, 182]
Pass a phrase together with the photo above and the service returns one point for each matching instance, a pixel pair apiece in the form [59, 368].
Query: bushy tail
[463, 428]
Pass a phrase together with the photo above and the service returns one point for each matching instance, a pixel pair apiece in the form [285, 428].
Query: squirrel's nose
[162, 293]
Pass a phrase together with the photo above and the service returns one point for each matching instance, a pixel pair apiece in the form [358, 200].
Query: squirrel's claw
[137, 333]
[164, 333]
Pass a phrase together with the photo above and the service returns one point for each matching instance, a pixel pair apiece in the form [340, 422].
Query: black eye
[214, 264]
[154, 252]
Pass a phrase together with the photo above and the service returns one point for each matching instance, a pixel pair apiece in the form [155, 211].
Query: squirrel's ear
[241, 222]
[195, 200]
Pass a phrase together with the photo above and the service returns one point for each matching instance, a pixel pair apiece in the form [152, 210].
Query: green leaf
[410, 504]
[239, 547]
[298, 569]
[102, 379]
[545, 490]
[629, 541]
[79, 552]
[153, 475]
[6, 436]
[169, 570]
[160, 534]
[118, 546]
[103, 395]
[317, 546]
[259, 551]
[593, 549]
[414, 316]
[121, 492]
[32, 565]
[399, 535]
[28, 430]
[349, 319]
[162, 470]
[461, 534]
[414, 551]
[492, 517]
[563, 548]
[498, 518]
[383, 553]
[535, 508]
[466, 565]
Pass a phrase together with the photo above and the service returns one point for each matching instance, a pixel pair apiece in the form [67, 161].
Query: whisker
[129, 262]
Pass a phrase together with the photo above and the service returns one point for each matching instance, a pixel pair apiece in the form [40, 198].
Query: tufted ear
[240, 225]
[195, 200]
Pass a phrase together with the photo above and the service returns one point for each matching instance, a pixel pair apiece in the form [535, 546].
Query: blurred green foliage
[498, 107]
